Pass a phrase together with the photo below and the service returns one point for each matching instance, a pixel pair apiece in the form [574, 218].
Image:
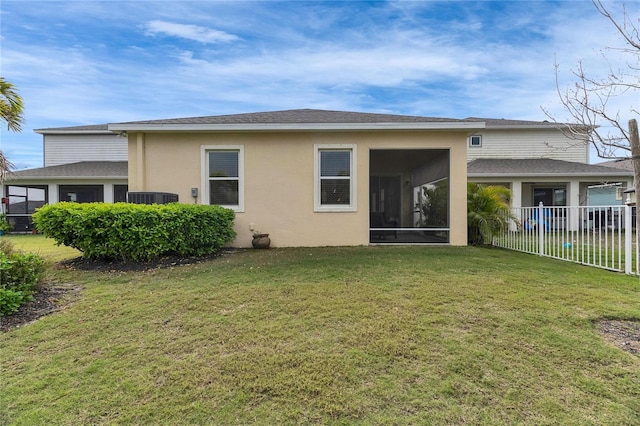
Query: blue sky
[86, 62]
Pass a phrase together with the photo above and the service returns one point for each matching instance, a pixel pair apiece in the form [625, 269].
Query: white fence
[602, 236]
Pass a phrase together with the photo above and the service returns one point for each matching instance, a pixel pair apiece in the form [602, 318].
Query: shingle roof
[501, 123]
[80, 170]
[294, 116]
[624, 164]
[93, 128]
[485, 167]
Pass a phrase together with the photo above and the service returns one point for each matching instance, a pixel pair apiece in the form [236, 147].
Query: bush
[11, 300]
[488, 212]
[19, 277]
[137, 232]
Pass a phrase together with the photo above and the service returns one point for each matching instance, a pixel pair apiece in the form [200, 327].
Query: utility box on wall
[151, 197]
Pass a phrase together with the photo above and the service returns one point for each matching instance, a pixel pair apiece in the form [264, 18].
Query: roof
[304, 119]
[90, 129]
[80, 170]
[299, 119]
[498, 167]
[623, 163]
[501, 123]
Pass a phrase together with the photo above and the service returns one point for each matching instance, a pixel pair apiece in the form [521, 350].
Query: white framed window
[223, 176]
[335, 178]
[475, 141]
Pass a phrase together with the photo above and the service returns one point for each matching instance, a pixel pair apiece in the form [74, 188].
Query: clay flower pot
[261, 241]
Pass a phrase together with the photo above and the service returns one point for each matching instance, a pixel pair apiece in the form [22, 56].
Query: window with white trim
[335, 178]
[475, 140]
[224, 183]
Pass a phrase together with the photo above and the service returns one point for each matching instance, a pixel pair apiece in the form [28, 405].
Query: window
[550, 196]
[120, 193]
[335, 178]
[224, 176]
[81, 193]
[23, 201]
[475, 140]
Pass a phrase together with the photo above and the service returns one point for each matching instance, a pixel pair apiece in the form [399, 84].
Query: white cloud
[190, 32]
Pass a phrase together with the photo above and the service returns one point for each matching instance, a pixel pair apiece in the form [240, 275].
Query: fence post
[628, 248]
[541, 226]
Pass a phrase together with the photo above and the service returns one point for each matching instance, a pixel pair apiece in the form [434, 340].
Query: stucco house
[315, 177]
[311, 177]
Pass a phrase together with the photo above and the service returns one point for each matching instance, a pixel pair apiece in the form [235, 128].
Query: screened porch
[409, 196]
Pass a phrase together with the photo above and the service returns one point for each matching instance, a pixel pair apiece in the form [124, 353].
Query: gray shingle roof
[98, 128]
[503, 123]
[294, 116]
[624, 164]
[80, 170]
[485, 167]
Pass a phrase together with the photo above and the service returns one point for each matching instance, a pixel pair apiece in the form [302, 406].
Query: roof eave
[547, 174]
[75, 132]
[132, 127]
[31, 177]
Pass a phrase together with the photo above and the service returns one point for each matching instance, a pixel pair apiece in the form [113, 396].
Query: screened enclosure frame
[409, 196]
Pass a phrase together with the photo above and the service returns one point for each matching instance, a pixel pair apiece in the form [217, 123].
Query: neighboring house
[539, 164]
[82, 163]
[311, 177]
[552, 182]
[628, 193]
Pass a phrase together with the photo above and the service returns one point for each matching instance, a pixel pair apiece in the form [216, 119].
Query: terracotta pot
[261, 241]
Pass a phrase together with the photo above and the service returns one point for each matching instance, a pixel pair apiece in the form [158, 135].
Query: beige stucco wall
[279, 179]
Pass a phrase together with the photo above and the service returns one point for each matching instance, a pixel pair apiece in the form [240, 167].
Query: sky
[93, 62]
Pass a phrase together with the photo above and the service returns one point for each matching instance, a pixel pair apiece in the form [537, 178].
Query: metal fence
[602, 236]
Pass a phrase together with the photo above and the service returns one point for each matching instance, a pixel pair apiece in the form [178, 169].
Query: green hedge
[19, 277]
[138, 232]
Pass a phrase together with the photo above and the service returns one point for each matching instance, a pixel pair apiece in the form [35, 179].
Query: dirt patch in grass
[624, 334]
[49, 298]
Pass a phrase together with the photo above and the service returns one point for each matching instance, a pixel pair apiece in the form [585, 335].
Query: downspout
[140, 160]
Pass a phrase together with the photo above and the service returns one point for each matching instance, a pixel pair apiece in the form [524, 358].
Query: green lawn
[365, 335]
[45, 247]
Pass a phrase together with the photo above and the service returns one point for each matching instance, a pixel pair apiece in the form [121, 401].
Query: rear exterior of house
[313, 178]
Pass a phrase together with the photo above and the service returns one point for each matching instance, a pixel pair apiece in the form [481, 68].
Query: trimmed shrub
[137, 232]
[19, 277]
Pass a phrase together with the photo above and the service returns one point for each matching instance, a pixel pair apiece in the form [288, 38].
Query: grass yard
[44, 247]
[365, 335]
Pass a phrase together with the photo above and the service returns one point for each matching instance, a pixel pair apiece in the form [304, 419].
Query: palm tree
[487, 212]
[11, 105]
[11, 108]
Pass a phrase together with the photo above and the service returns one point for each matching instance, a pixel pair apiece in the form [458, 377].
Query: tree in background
[488, 212]
[11, 109]
[588, 100]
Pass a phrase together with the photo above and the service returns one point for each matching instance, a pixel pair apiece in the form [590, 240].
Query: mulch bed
[132, 266]
[49, 298]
